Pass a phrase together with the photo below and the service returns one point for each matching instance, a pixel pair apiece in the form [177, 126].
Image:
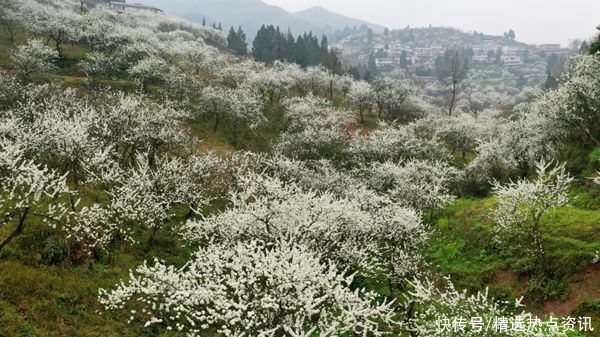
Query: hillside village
[402, 49]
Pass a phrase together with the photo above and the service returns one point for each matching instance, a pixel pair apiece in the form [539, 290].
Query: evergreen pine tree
[263, 46]
[236, 41]
[243, 44]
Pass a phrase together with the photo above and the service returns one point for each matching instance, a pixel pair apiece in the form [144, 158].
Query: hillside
[153, 185]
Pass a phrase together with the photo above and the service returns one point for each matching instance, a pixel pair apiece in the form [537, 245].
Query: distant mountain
[252, 14]
[322, 17]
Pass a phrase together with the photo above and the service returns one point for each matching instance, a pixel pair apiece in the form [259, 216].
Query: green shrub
[55, 252]
[595, 158]
[546, 290]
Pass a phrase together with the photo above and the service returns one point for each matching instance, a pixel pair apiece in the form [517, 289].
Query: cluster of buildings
[397, 55]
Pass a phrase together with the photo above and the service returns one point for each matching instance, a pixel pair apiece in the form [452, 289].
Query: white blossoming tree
[251, 289]
[140, 197]
[397, 142]
[523, 205]
[26, 189]
[344, 229]
[361, 96]
[96, 65]
[436, 310]
[315, 128]
[33, 57]
[394, 99]
[419, 184]
[239, 105]
[149, 70]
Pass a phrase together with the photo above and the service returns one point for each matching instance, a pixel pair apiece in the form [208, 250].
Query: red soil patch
[509, 278]
[584, 287]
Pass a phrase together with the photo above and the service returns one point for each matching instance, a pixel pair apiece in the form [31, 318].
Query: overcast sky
[534, 21]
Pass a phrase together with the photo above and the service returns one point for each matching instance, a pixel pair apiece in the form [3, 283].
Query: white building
[134, 7]
[387, 62]
[427, 55]
[512, 57]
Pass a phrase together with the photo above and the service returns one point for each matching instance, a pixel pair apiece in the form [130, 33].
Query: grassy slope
[463, 247]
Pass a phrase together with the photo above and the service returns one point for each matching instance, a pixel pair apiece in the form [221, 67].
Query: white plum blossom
[414, 183]
[523, 205]
[394, 99]
[57, 20]
[148, 70]
[96, 65]
[494, 158]
[315, 127]
[237, 105]
[396, 142]
[33, 57]
[141, 197]
[27, 189]
[252, 289]
[439, 311]
[361, 96]
[266, 208]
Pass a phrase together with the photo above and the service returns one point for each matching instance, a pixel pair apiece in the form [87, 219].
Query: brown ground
[584, 287]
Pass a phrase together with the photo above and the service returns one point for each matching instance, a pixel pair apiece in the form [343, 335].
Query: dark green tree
[263, 46]
[372, 65]
[353, 72]
[403, 60]
[511, 35]
[236, 41]
[332, 63]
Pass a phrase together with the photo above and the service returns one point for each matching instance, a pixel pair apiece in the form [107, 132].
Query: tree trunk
[217, 120]
[453, 98]
[17, 231]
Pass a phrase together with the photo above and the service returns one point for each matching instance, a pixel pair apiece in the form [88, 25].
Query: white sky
[534, 21]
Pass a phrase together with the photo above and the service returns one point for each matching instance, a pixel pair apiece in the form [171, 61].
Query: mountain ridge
[321, 16]
[252, 14]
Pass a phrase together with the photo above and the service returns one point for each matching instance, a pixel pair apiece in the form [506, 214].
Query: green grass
[41, 298]
[463, 246]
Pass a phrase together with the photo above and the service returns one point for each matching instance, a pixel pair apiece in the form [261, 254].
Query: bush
[55, 252]
[546, 290]
[595, 158]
